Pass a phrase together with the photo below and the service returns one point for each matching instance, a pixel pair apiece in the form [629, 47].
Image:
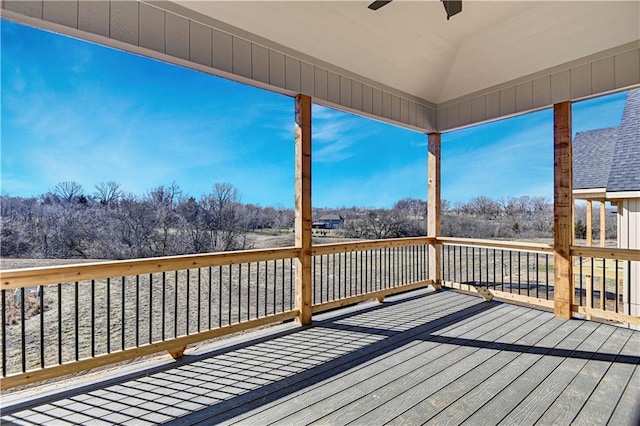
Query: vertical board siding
[177, 36]
[93, 17]
[581, 81]
[387, 107]
[152, 28]
[61, 12]
[25, 7]
[241, 57]
[321, 79]
[276, 68]
[367, 99]
[377, 101]
[478, 109]
[421, 114]
[333, 87]
[260, 63]
[602, 75]
[200, 42]
[560, 87]
[524, 96]
[404, 110]
[307, 79]
[124, 21]
[492, 105]
[356, 95]
[464, 113]
[222, 51]
[292, 74]
[345, 91]
[508, 101]
[541, 92]
[395, 108]
[627, 68]
[413, 119]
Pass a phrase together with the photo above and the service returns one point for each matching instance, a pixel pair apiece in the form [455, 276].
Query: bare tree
[67, 191]
[108, 193]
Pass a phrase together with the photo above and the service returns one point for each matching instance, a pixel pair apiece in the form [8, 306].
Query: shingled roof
[610, 158]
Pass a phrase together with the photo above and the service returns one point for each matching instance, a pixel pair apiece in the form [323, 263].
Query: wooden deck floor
[421, 358]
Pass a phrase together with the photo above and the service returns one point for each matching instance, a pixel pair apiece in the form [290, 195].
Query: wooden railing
[349, 273]
[517, 271]
[607, 283]
[64, 319]
[605, 280]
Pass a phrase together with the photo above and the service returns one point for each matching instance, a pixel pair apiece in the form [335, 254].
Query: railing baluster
[229, 292]
[77, 326]
[546, 279]
[93, 318]
[41, 301]
[151, 308]
[617, 307]
[239, 293]
[122, 314]
[3, 293]
[199, 301]
[164, 305]
[219, 296]
[59, 323]
[175, 304]
[137, 310]
[108, 315]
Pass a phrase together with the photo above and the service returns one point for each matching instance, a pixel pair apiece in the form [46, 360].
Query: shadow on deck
[424, 357]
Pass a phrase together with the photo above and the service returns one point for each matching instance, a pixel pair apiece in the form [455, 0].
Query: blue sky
[75, 111]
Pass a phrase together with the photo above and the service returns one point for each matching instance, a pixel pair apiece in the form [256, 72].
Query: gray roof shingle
[625, 165]
[592, 154]
[610, 158]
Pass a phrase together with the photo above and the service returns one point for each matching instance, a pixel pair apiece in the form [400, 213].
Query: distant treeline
[68, 222]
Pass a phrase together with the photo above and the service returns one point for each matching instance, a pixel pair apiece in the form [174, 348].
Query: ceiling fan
[451, 6]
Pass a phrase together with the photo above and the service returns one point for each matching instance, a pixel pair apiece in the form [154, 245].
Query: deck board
[423, 357]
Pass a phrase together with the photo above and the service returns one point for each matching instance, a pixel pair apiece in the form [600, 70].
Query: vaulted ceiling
[410, 45]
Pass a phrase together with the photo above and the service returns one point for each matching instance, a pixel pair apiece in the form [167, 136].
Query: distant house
[329, 221]
[606, 168]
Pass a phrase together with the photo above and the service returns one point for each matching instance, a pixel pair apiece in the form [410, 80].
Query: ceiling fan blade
[378, 4]
[452, 7]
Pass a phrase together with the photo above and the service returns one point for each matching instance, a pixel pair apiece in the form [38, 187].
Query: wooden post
[562, 209]
[433, 209]
[603, 224]
[303, 208]
[589, 223]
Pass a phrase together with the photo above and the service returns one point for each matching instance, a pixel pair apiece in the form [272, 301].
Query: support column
[303, 208]
[434, 228]
[562, 209]
[603, 224]
[589, 223]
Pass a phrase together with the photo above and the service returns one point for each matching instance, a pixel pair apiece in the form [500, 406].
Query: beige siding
[618, 69]
[241, 57]
[152, 28]
[629, 237]
[177, 36]
[93, 17]
[61, 12]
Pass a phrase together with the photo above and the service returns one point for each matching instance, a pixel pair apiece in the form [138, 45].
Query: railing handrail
[49, 275]
[331, 248]
[509, 245]
[606, 253]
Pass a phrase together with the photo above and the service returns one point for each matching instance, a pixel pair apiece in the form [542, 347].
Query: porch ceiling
[410, 46]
